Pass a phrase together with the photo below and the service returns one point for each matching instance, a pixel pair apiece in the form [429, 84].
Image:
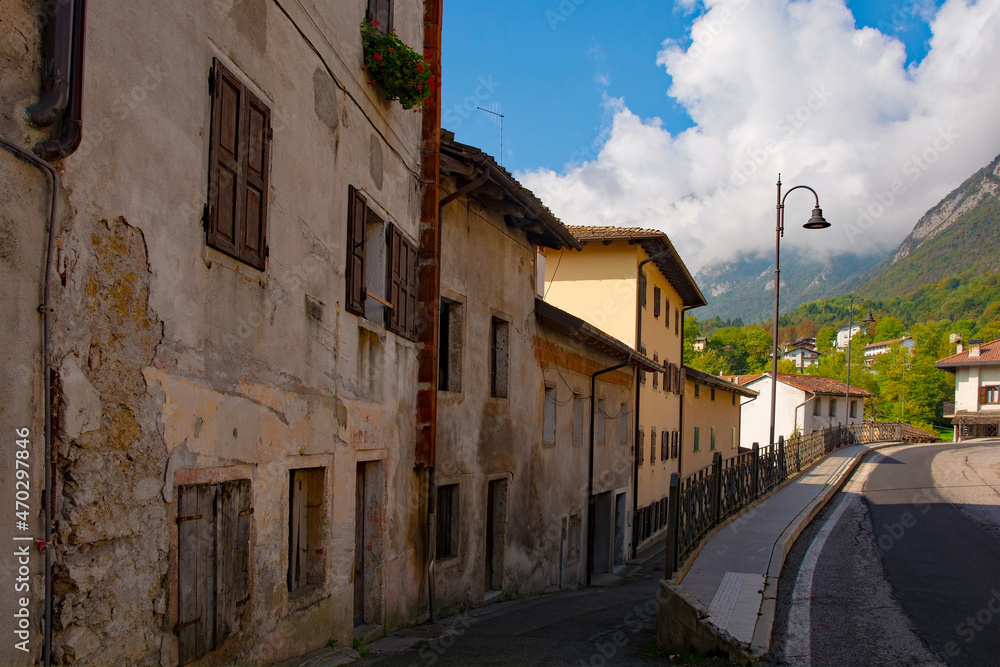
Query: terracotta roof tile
[814, 384]
[989, 353]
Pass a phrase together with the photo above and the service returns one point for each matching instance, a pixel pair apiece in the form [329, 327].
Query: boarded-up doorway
[369, 521]
[619, 531]
[496, 533]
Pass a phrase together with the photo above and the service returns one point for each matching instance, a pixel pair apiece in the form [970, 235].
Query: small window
[213, 564]
[854, 409]
[652, 445]
[577, 420]
[666, 314]
[549, 417]
[991, 394]
[697, 390]
[713, 393]
[656, 376]
[833, 407]
[712, 442]
[600, 421]
[818, 407]
[734, 438]
[697, 437]
[733, 397]
[381, 11]
[239, 156]
[677, 321]
[450, 347]
[499, 362]
[447, 521]
[305, 541]
[656, 301]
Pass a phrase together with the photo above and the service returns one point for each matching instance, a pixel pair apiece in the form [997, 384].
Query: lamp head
[868, 318]
[817, 221]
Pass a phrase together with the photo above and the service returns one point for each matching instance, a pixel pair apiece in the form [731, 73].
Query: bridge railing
[707, 497]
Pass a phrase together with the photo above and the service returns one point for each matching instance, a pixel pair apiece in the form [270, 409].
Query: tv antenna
[499, 119]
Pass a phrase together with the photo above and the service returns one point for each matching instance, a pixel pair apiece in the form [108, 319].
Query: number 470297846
[22, 473]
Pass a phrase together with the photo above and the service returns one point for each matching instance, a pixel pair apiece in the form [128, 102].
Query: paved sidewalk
[735, 574]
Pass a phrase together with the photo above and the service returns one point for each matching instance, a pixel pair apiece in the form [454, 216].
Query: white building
[976, 411]
[842, 335]
[804, 403]
[881, 347]
[803, 356]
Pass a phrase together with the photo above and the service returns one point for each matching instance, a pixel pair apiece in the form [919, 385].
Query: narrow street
[901, 568]
[610, 624]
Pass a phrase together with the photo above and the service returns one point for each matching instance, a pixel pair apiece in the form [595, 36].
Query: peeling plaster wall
[178, 365]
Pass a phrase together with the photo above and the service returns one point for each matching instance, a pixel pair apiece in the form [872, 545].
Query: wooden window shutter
[298, 530]
[982, 395]
[402, 282]
[656, 301]
[666, 314]
[357, 214]
[233, 553]
[682, 380]
[195, 571]
[239, 157]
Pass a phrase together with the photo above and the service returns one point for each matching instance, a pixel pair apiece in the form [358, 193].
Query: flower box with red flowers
[401, 73]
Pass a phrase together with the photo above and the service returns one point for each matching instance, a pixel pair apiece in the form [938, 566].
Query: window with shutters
[239, 155]
[549, 417]
[666, 314]
[656, 301]
[499, 357]
[697, 437]
[697, 390]
[990, 395]
[640, 448]
[450, 347]
[642, 289]
[381, 11]
[677, 321]
[447, 522]
[213, 557]
[305, 521]
[381, 275]
[712, 441]
[656, 376]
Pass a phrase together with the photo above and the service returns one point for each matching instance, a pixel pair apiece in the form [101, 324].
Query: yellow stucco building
[633, 284]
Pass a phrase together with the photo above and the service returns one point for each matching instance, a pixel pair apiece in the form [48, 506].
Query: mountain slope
[960, 233]
[742, 288]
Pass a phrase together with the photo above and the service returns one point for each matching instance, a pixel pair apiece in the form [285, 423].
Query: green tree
[889, 328]
[825, 338]
[710, 362]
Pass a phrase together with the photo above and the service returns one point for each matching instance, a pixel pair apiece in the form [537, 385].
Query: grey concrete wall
[179, 365]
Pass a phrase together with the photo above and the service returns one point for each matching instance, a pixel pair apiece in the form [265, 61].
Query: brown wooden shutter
[239, 158]
[253, 247]
[357, 213]
[402, 283]
[656, 301]
[298, 529]
[682, 380]
[982, 395]
[411, 290]
[195, 571]
[233, 553]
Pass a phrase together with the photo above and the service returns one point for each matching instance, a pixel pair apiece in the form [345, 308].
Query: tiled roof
[718, 381]
[989, 354]
[656, 244]
[885, 343]
[814, 384]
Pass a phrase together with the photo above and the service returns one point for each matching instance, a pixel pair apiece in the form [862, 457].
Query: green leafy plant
[402, 73]
[358, 644]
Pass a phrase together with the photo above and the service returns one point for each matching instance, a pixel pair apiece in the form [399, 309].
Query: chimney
[959, 347]
[974, 346]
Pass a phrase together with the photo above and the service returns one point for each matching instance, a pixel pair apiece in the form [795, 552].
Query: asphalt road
[903, 568]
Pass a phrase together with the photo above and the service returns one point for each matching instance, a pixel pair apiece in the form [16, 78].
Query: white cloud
[794, 87]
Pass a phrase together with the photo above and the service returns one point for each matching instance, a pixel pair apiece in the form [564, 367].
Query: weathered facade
[510, 462]
[609, 285]
[711, 418]
[234, 411]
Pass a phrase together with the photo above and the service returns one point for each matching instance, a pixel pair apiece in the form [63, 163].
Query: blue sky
[679, 116]
[548, 65]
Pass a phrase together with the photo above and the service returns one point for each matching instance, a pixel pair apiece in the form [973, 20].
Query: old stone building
[511, 462]
[232, 296]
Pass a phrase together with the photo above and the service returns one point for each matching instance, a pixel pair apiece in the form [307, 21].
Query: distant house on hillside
[804, 403]
[802, 355]
[875, 349]
[976, 410]
[700, 344]
[843, 336]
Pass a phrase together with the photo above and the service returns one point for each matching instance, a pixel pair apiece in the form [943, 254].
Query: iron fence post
[783, 471]
[717, 488]
[755, 467]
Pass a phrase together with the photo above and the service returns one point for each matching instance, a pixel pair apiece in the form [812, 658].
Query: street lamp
[850, 328]
[817, 221]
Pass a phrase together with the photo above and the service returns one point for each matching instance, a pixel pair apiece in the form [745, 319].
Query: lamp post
[850, 330]
[817, 221]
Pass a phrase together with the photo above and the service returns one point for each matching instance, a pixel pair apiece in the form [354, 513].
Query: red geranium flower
[378, 57]
[375, 22]
[420, 68]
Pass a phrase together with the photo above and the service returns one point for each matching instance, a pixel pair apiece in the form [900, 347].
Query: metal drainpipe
[590, 468]
[55, 85]
[72, 122]
[46, 310]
